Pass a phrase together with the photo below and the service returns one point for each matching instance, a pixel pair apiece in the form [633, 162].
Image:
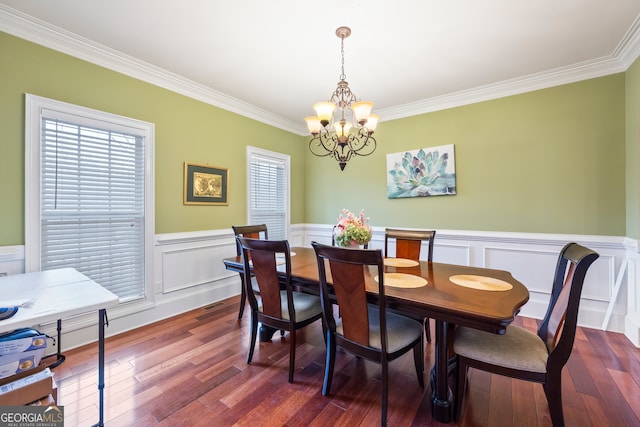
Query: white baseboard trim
[632, 329]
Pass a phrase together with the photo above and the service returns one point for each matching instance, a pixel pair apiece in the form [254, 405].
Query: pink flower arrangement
[352, 230]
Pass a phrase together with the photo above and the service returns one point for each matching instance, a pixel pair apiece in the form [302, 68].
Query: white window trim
[251, 151]
[35, 105]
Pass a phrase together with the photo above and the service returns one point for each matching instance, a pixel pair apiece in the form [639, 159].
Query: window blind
[92, 204]
[268, 195]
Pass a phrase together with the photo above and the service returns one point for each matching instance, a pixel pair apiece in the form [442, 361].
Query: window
[268, 191]
[89, 195]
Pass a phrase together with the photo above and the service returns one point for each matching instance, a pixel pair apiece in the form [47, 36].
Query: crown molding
[623, 56]
[40, 32]
[547, 79]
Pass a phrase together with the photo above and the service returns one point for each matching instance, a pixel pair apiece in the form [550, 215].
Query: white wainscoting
[189, 273]
[531, 259]
[188, 260]
[11, 260]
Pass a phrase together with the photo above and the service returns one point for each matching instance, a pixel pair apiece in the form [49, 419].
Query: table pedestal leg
[441, 398]
[265, 333]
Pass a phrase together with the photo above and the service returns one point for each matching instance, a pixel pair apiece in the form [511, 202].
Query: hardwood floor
[191, 370]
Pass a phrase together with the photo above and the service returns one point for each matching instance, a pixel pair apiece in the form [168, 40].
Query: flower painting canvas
[421, 173]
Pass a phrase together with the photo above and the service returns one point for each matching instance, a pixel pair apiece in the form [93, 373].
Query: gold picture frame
[205, 185]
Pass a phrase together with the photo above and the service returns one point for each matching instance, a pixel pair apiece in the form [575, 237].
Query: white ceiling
[271, 60]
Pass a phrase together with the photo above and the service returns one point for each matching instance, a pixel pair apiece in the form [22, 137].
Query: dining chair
[283, 309]
[408, 244]
[366, 330]
[254, 232]
[523, 354]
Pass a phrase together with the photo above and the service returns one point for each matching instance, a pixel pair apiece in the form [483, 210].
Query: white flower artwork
[421, 173]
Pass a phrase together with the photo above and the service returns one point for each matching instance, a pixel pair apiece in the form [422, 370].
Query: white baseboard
[632, 329]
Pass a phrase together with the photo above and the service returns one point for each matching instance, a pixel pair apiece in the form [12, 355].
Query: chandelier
[343, 126]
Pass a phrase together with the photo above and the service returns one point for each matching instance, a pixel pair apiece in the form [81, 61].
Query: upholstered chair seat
[307, 306]
[401, 330]
[518, 348]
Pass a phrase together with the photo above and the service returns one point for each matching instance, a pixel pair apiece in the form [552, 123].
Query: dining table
[453, 295]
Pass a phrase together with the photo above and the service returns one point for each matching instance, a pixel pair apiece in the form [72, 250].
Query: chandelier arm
[370, 142]
[324, 141]
[363, 144]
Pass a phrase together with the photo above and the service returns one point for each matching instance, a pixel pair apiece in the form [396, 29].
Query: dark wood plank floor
[191, 370]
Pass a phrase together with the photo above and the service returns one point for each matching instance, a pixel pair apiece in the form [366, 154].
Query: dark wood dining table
[450, 304]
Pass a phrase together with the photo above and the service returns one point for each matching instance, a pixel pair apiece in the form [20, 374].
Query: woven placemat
[481, 282]
[281, 255]
[402, 280]
[400, 262]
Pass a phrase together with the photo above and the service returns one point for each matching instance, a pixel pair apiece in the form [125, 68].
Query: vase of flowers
[351, 230]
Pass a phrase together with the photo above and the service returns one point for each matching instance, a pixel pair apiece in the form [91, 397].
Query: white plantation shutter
[89, 199]
[92, 206]
[269, 191]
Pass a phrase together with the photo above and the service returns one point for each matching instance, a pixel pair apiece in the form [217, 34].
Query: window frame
[254, 152]
[35, 107]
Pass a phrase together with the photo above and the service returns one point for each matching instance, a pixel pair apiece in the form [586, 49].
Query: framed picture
[421, 173]
[205, 185]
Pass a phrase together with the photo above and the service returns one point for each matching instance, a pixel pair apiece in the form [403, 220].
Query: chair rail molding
[189, 273]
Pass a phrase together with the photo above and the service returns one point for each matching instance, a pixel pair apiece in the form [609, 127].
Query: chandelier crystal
[343, 126]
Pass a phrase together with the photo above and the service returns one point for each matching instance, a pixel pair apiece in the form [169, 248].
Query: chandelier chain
[342, 75]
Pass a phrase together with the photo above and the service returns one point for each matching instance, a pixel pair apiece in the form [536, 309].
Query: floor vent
[212, 306]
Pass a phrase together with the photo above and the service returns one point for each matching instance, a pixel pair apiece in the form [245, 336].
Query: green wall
[632, 103]
[185, 130]
[549, 161]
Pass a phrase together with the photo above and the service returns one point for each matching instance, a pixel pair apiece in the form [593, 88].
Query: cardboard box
[11, 346]
[25, 387]
[48, 400]
[15, 363]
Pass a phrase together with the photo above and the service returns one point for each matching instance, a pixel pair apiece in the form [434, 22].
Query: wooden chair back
[409, 242]
[261, 255]
[344, 269]
[258, 231]
[558, 327]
